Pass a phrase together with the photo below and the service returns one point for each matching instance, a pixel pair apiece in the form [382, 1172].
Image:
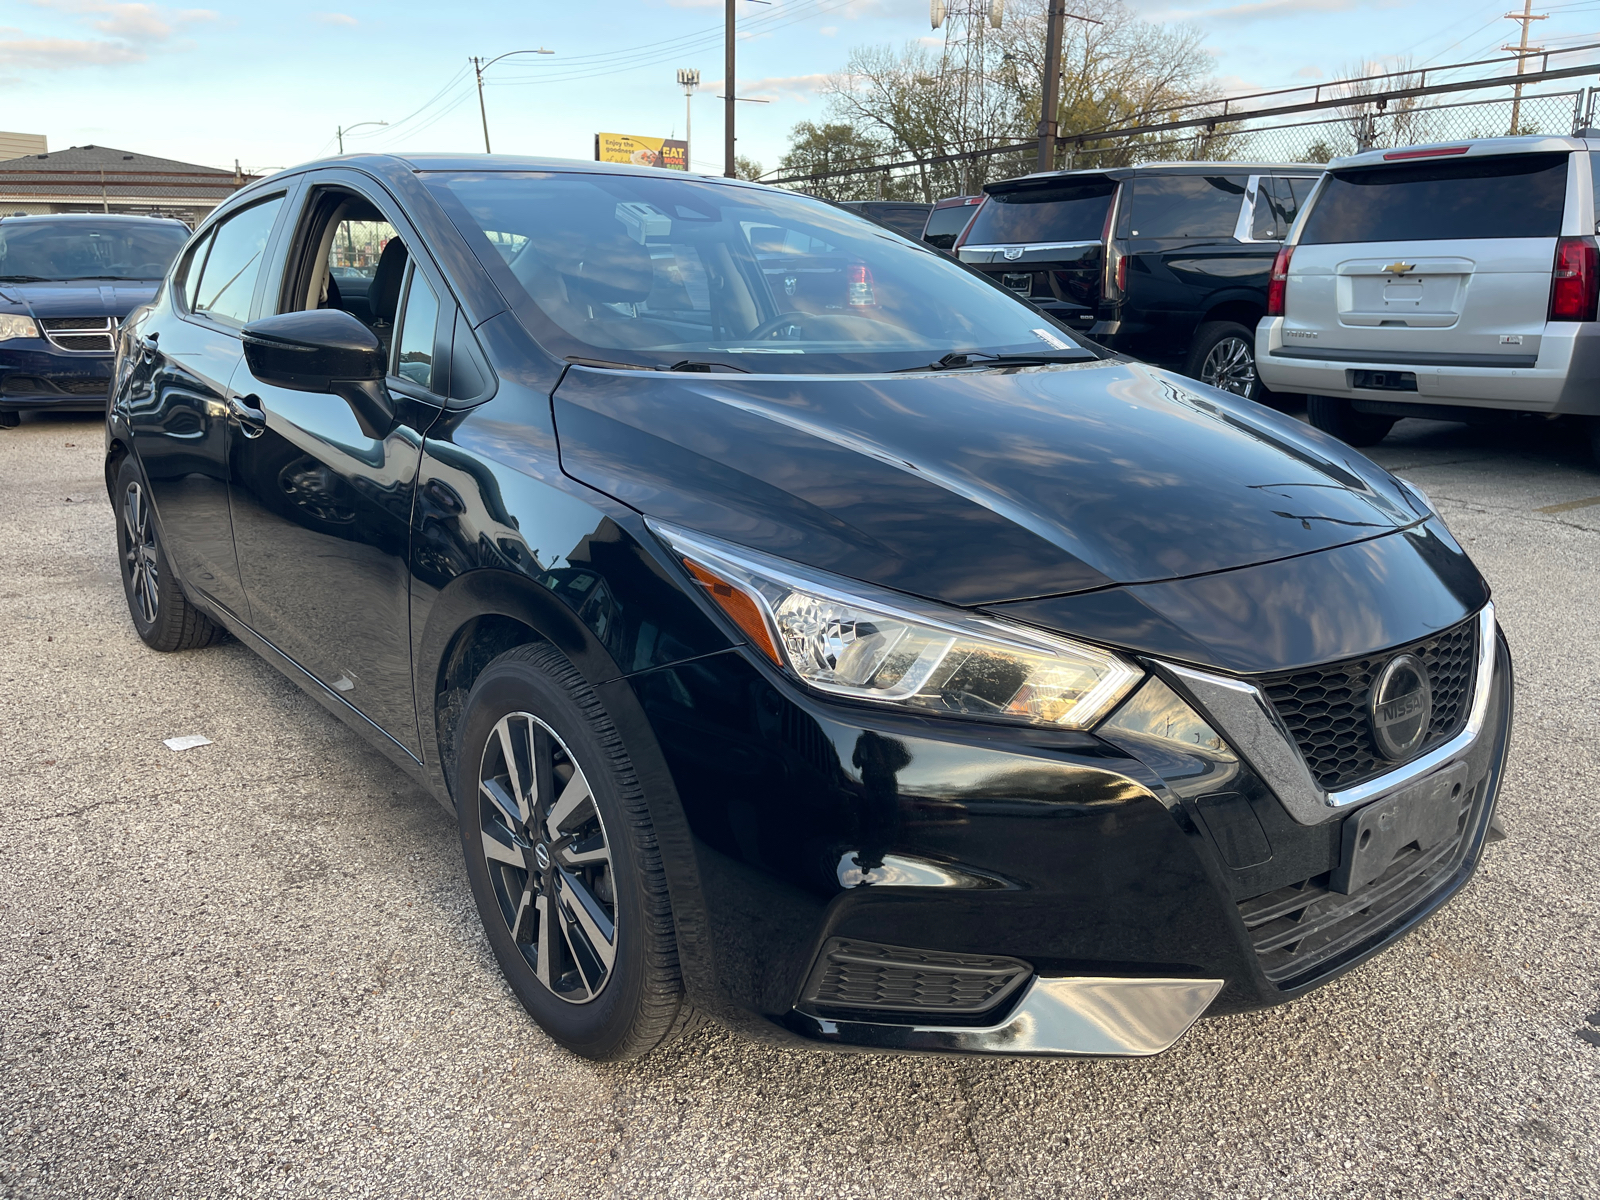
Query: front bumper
[35, 375]
[813, 822]
[1564, 375]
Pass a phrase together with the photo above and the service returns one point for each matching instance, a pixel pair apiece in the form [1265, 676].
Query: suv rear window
[1167, 206]
[1074, 212]
[1512, 196]
[945, 225]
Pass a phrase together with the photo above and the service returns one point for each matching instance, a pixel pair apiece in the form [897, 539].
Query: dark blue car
[67, 283]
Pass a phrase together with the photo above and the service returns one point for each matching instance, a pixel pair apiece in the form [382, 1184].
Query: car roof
[98, 218]
[1475, 148]
[1158, 168]
[512, 162]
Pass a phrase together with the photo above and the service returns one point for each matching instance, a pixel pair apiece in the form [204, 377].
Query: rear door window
[418, 326]
[1062, 213]
[1188, 206]
[1512, 196]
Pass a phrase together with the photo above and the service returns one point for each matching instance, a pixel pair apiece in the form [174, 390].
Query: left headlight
[15, 325]
[850, 639]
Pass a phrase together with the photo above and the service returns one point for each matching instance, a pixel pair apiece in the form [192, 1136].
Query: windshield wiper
[23, 279]
[979, 358]
[131, 278]
[687, 364]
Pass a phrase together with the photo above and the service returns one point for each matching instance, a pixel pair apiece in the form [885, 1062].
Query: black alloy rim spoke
[139, 556]
[1229, 368]
[548, 857]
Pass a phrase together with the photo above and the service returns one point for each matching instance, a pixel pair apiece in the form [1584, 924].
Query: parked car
[949, 219]
[66, 283]
[909, 676]
[1167, 262]
[1444, 281]
[902, 216]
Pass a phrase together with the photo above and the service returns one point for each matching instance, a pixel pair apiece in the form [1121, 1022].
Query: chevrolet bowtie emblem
[1400, 268]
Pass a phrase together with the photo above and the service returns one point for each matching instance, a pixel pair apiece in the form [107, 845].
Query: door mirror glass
[228, 279]
[313, 351]
[418, 323]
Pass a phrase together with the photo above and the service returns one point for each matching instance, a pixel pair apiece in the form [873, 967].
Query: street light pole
[341, 130]
[729, 161]
[478, 68]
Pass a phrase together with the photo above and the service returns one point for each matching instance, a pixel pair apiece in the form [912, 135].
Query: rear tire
[9, 420]
[1336, 415]
[1594, 439]
[162, 615]
[563, 860]
[1223, 355]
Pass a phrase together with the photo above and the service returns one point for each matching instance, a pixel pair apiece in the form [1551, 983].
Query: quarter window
[414, 359]
[188, 278]
[228, 279]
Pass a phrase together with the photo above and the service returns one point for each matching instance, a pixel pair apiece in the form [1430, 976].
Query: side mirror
[323, 350]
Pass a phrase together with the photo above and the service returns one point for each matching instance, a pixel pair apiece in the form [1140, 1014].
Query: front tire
[162, 615]
[9, 419]
[563, 861]
[1336, 415]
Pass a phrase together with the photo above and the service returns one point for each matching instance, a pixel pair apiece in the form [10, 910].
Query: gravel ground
[254, 969]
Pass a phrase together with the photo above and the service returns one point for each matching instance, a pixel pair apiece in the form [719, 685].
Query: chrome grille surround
[81, 335]
[1247, 718]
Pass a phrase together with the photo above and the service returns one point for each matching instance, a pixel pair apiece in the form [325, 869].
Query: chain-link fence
[1363, 122]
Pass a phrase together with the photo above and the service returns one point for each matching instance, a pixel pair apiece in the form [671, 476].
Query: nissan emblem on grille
[1401, 706]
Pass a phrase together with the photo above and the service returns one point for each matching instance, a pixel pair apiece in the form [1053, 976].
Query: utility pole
[478, 68]
[1050, 102]
[730, 164]
[688, 80]
[1522, 50]
[341, 130]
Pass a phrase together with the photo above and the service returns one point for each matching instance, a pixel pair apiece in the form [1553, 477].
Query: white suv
[1435, 280]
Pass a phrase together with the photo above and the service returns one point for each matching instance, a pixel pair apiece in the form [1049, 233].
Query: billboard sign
[641, 151]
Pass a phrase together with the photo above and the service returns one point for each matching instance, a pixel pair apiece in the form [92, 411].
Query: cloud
[335, 19]
[1308, 73]
[777, 87]
[1255, 10]
[829, 30]
[131, 32]
[54, 54]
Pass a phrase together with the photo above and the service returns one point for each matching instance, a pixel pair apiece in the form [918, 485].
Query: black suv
[1166, 262]
[862, 663]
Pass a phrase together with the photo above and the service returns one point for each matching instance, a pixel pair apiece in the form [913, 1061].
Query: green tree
[832, 146]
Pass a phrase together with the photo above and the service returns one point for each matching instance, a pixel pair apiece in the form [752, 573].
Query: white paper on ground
[187, 742]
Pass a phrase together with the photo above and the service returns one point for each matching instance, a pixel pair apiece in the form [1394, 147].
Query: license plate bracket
[1426, 813]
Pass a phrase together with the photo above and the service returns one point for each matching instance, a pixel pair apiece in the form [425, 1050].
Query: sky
[269, 84]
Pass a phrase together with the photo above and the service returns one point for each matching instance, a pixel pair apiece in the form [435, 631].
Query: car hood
[79, 297]
[973, 487]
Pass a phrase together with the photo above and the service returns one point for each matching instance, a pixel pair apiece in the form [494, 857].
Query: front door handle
[252, 422]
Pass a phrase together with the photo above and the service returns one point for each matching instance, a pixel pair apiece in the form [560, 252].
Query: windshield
[1056, 212]
[665, 272]
[1514, 196]
[78, 249]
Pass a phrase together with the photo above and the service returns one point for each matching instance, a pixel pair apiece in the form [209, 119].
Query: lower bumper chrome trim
[1069, 1015]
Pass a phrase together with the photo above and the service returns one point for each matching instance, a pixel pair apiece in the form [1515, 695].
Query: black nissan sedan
[806, 633]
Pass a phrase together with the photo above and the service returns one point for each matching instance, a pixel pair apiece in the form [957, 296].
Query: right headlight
[15, 325]
[851, 639]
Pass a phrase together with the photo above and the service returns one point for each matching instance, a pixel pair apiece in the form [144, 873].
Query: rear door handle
[252, 422]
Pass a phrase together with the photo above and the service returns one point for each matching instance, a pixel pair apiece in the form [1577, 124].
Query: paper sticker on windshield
[1051, 339]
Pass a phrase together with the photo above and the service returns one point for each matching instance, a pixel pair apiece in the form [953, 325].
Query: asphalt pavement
[254, 969]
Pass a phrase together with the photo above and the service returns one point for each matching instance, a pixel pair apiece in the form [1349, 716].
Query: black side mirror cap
[323, 350]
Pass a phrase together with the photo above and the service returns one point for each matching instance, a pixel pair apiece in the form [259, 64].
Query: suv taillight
[1575, 282]
[1278, 283]
[859, 290]
[961, 239]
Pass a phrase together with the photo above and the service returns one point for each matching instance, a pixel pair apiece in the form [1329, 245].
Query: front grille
[865, 975]
[33, 385]
[1325, 707]
[93, 335]
[1299, 928]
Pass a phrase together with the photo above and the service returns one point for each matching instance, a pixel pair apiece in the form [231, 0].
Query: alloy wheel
[548, 856]
[1230, 367]
[139, 553]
